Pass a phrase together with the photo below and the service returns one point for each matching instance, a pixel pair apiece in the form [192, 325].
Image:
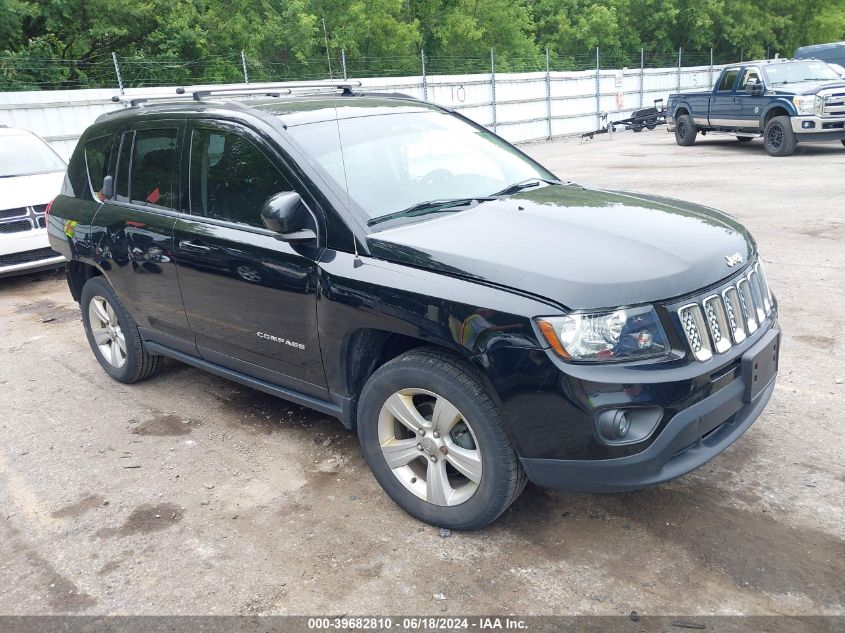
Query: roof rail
[267, 90]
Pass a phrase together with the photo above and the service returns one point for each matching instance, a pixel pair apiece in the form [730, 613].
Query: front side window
[231, 177]
[728, 79]
[390, 162]
[751, 76]
[25, 154]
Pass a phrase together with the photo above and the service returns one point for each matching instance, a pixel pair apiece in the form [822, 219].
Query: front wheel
[436, 443]
[843, 142]
[685, 130]
[778, 137]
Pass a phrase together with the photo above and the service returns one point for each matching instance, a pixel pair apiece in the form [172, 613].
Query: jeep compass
[480, 322]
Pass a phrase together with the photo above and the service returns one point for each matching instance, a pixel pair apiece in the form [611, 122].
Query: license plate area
[760, 364]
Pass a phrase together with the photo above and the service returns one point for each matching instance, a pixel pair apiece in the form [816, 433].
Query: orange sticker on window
[155, 194]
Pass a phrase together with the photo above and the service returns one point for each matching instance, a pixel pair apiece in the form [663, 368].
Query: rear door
[250, 298]
[134, 230]
[724, 111]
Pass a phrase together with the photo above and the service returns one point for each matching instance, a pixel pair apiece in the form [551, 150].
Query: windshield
[795, 72]
[26, 154]
[397, 161]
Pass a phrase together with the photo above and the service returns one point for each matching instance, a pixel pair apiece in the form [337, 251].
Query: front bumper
[692, 437]
[27, 251]
[815, 128]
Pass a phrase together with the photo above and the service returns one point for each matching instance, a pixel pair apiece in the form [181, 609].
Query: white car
[31, 175]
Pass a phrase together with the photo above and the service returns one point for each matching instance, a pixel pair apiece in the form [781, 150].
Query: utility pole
[424, 80]
[243, 63]
[328, 56]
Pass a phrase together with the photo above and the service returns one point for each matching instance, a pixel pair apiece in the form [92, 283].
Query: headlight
[624, 334]
[805, 104]
[819, 103]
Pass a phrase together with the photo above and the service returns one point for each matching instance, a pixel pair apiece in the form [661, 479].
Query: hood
[25, 191]
[582, 248]
[808, 87]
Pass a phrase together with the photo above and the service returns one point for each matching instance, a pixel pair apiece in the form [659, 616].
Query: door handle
[188, 245]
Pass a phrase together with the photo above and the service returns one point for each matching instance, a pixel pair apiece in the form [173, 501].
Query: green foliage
[68, 43]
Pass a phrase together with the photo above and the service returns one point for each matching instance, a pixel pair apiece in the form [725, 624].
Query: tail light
[49, 206]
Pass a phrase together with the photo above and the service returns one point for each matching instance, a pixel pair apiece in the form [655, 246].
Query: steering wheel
[436, 177]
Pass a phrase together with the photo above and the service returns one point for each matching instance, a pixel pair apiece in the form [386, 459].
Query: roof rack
[266, 90]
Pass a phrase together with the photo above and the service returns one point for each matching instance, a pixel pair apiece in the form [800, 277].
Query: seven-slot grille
[725, 319]
[23, 219]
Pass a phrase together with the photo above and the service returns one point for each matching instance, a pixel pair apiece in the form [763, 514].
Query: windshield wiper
[429, 206]
[528, 183]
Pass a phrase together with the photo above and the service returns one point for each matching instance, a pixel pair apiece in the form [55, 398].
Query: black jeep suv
[391, 263]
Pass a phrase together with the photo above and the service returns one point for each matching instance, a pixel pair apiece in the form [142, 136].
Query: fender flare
[781, 102]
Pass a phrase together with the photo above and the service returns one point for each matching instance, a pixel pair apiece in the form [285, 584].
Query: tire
[637, 128]
[778, 137]
[651, 126]
[843, 142]
[744, 139]
[685, 130]
[107, 323]
[413, 386]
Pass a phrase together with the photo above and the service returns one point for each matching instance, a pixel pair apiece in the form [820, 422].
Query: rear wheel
[435, 442]
[778, 137]
[113, 334]
[744, 139]
[685, 130]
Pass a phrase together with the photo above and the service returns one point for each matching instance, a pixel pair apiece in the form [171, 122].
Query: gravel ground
[188, 494]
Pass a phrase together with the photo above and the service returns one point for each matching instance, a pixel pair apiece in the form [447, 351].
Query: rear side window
[153, 172]
[231, 178]
[728, 79]
[97, 156]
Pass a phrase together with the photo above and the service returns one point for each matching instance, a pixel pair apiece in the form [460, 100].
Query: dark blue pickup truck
[785, 101]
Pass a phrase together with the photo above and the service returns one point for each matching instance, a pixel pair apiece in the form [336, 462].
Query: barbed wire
[20, 73]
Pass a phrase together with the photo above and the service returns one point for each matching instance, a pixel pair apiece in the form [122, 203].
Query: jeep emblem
[733, 260]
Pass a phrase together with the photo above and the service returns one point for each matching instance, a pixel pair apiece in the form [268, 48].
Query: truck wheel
[685, 130]
[778, 138]
[113, 334]
[435, 442]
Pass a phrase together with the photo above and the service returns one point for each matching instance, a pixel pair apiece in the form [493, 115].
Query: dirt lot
[188, 494]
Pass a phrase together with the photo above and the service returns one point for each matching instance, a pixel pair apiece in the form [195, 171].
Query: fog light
[627, 426]
[808, 125]
[614, 424]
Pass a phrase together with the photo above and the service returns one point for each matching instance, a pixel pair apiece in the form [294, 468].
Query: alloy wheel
[430, 447]
[775, 137]
[105, 328]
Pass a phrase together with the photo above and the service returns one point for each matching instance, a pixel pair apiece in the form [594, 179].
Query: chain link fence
[114, 71]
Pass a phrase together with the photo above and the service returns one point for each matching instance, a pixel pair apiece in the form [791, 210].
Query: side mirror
[107, 190]
[756, 87]
[284, 213]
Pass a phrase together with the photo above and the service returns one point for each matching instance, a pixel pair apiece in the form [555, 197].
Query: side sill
[329, 408]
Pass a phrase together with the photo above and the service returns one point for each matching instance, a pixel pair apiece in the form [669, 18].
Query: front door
[133, 235]
[749, 105]
[723, 106]
[250, 298]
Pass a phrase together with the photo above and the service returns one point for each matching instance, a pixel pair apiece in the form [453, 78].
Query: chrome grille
[733, 309]
[693, 323]
[834, 104]
[23, 219]
[718, 322]
[721, 320]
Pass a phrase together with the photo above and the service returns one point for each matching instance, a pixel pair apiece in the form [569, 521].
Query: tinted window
[231, 178]
[123, 161]
[728, 79]
[97, 157]
[154, 164]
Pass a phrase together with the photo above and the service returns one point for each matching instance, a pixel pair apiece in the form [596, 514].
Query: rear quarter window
[97, 158]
